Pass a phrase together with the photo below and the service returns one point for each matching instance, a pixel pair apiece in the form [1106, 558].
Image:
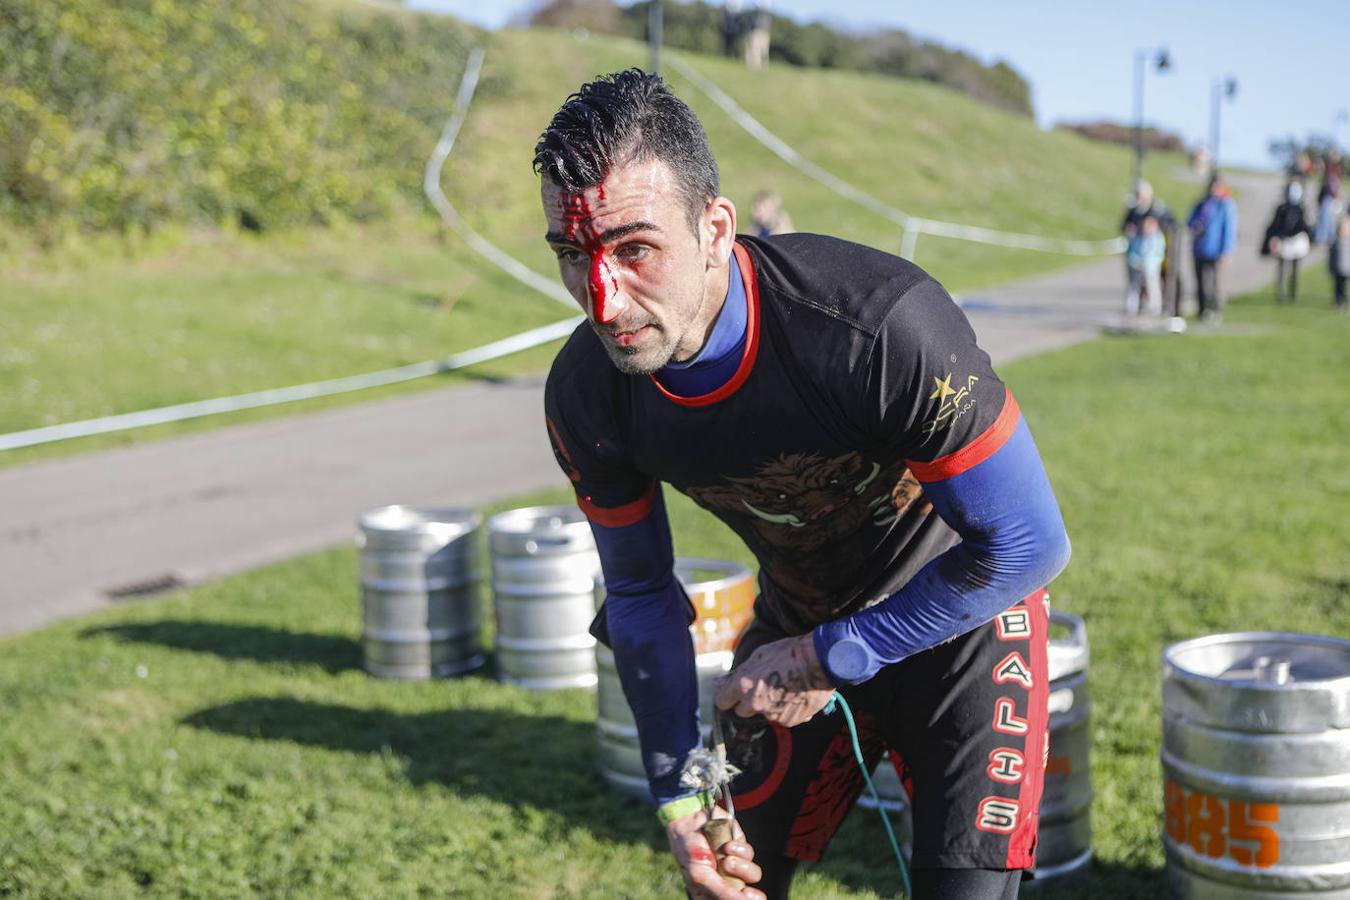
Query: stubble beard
[640, 360]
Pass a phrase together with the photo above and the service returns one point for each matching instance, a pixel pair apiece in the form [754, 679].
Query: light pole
[1221, 89]
[1162, 62]
[655, 21]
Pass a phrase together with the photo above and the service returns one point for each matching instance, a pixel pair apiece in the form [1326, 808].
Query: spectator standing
[1213, 224]
[1339, 259]
[1145, 204]
[1329, 204]
[767, 215]
[1288, 239]
[1144, 259]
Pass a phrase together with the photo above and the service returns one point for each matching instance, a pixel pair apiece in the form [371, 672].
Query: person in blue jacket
[1213, 224]
[830, 404]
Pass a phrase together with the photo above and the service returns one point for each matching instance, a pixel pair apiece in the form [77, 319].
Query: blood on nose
[605, 303]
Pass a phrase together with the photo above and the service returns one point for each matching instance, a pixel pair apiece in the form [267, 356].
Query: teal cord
[876, 798]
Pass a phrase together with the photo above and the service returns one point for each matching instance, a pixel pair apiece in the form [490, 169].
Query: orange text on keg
[1215, 827]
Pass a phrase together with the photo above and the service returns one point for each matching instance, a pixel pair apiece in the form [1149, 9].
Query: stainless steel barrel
[1064, 843]
[420, 608]
[722, 594]
[543, 570]
[1256, 766]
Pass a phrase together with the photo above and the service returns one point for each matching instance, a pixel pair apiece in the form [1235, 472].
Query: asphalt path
[77, 534]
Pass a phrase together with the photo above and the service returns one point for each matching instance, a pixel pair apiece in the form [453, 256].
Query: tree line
[713, 28]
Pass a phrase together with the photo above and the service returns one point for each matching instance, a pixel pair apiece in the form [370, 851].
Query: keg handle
[533, 545]
[1269, 670]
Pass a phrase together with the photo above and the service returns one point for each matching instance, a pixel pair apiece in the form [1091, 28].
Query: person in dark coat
[1288, 239]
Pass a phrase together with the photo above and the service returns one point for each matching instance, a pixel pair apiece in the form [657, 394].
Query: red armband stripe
[620, 516]
[977, 451]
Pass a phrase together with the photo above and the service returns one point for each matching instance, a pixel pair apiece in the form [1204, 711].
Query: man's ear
[718, 231]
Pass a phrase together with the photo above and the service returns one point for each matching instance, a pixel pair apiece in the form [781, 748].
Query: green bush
[130, 114]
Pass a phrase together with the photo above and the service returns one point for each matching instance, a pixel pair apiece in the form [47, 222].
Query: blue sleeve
[1230, 227]
[1012, 542]
[647, 615]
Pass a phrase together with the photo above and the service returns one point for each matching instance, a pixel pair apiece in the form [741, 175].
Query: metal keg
[1256, 766]
[543, 570]
[420, 609]
[1064, 842]
[723, 594]
[1064, 836]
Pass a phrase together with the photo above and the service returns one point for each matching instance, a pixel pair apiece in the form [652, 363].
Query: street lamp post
[1222, 89]
[1162, 62]
[655, 23]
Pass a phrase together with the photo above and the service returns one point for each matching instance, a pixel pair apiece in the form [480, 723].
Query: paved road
[190, 509]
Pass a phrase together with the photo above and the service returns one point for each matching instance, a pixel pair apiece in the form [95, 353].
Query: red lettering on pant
[1013, 624]
[1005, 719]
[997, 815]
[1005, 765]
[1013, 668]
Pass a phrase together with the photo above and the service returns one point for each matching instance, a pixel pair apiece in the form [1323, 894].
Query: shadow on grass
[519, 759]
[548, 762]
[253, 642]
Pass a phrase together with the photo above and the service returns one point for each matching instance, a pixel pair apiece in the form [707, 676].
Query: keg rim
[1172, 663]
[734, 573]
[402, 518]
[522, 521]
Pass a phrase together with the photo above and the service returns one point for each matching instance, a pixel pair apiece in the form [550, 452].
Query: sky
[1292, 63]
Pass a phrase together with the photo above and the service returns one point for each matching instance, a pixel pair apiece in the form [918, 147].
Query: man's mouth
[628, 336]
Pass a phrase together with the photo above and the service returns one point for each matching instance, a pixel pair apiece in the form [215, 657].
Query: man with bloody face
[829, 403]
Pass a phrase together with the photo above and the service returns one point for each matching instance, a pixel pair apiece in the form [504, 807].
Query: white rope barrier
[913, 225]
[198, 408]
[431, 186]
[503, 347]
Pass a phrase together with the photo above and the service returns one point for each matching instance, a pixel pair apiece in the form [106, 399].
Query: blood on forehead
[577, 224]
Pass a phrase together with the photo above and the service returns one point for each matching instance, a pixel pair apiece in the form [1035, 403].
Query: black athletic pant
[1208, 290]
[1340, 291]
[964, 723]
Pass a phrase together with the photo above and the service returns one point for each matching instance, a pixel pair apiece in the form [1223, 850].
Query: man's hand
[782, 681]
[698, 863]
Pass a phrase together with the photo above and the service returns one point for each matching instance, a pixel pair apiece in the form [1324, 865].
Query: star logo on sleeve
[953, 402]
[944, 388]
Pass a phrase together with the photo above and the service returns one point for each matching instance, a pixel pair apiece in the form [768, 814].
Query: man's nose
[607, 301]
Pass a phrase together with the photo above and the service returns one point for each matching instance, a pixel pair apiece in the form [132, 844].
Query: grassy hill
[925, 149]
[198, 309]
[146, 112]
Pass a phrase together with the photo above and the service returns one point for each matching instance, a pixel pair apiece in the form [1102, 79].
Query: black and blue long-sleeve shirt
[844, 423]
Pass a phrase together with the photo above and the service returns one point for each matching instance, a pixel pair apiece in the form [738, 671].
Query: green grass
[221, 315]
[93, 329]
[223, 741]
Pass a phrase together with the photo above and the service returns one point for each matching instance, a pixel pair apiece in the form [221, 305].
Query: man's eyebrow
[608, 237]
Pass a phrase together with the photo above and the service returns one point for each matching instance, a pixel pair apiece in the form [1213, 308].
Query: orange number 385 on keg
[1216, 827]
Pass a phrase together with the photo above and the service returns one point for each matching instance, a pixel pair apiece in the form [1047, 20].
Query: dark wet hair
[624, 117]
